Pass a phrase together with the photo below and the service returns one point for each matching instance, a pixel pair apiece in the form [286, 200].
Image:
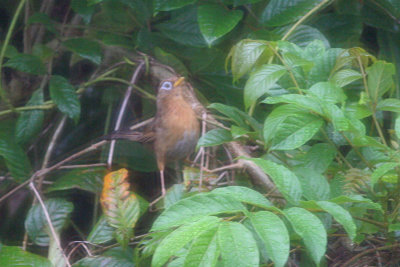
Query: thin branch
[122, 110]
[3, 92]
[46, 214]
[365, 252]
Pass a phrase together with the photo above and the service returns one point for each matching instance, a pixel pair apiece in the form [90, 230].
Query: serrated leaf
[389, 104]
[237, 245]
[44, 19]
[357, 199]
[319, 157]
[83, 8]
[248, 54]
[382, 170]
[192, 208]
[274, 235]
[397, 126]
[171, 244]
[281, 12]
[15, 256]
[204, 251]
[261, 81]
[288, 127]
[26, 63]
[89, 179]
[379, 79]
[103, 261]
[341, 215]
[310, 229]
[285, 180]
[215, 137]
[102, 232]
[30, 122]
[167, 5]
[183, 29]
[215, 21]
[304, 35]
[315, 186]
[301, 101]
[324, 65]
[245, 195]
[173, 195]
[345, 77]
[85, 48]
[120, 206]
[328, 92]
[64, 96]
[36, 224]
[17, 161]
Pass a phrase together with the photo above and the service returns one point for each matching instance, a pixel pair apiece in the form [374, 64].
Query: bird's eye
[166, 86]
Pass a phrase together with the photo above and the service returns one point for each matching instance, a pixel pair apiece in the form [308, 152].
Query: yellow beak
[179, 81]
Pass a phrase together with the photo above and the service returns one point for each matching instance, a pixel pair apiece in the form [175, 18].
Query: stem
[300, 21]
[358, 152]
[373, 106]
[3, 93]
[347, 263]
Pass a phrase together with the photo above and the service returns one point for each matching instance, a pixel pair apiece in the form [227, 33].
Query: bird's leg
[163, 192]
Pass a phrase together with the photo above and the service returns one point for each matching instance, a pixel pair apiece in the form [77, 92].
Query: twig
[141, 124]
[122, 110]
[365, 252]
[83, 166]
[54, 167]
[46, 214]
[203, 132]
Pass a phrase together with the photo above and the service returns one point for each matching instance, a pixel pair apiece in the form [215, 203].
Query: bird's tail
[131, 136]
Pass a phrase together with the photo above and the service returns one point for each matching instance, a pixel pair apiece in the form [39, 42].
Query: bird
[175, 129]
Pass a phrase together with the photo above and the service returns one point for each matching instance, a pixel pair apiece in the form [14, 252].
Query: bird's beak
[179, 81]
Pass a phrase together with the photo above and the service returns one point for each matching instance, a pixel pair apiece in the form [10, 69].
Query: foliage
[309, 89]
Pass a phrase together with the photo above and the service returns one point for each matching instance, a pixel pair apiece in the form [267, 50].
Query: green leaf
[238, 132]
[215, 21]
[241, 118]
[319, 157]
[281, 12]
[301, 101]
[170, 60]
[357, 199]
[204, 250]
[285, 180]
[215, 137]
[174, 194]
[324, 65]
[103, 261]
[102, 232]
[274, 235]
[183, 29]
[64, 96]
[89, 179]
[17, 161]
[341, 215]
[379, 79]
[382, 170]
[197, 206]
[237, 245]
[176, 240]
[135, 156]
[55, 255]
[30, 122]
[83, 8]
[328, 92]
[15, 256]
[245, 195]
[44, 19]
[314, 185]
[304, 35]
[261, 81]
[248, 54]
[310, 229]
[397, 126]
[167, 5]
[27, 63]
[288, 128]
[85, 48]
[36, 224]
[345, 77]
[389, 104]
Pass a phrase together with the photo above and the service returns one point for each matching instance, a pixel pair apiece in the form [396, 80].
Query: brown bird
[175, 128]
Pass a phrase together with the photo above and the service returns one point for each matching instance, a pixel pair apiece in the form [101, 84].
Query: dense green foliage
[308, 88]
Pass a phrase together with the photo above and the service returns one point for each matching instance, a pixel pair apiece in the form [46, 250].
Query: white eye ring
[166, 86]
